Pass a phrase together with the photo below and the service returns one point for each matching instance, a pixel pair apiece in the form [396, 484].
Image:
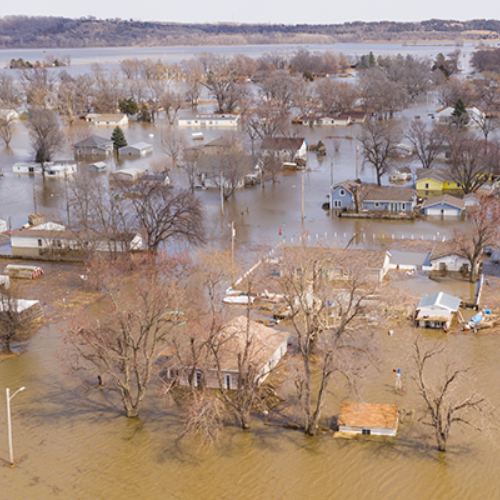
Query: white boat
[238, 299]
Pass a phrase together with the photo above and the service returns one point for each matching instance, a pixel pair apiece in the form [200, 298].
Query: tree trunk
[441, 441]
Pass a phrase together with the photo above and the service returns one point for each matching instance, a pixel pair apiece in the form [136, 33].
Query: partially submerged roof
[283, 143]
[444, 249]
[368, 416]
[94, 140]
[138, 145]
[440, 301]
[445, 199]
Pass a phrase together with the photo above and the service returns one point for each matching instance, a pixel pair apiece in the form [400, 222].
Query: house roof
[368, 416]
[263, 343]
[389, 193]
[348, 185]
[138, 145]
[443, 249]
[110, 117]
[283, 143]
[440, 300]
[437, 174]
[94, 140]
[370, 259]
[68, 234]
[445, 199]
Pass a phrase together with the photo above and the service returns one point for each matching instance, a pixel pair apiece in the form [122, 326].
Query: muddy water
[81, 448]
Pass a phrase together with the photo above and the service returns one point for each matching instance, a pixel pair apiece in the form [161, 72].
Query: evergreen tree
[128, 106]
[118, 138]
[144, 115]
[460, 116]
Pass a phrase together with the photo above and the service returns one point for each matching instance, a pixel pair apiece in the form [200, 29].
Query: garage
[443, 206]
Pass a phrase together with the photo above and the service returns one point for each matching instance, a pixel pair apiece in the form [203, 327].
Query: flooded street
[77, 445]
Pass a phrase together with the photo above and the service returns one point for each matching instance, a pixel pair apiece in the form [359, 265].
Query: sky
[260, 11]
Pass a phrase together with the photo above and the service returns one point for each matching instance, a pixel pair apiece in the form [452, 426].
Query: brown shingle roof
[443, 249]
[389, 193]
[445, 198]
[282, 143]
[368, 416]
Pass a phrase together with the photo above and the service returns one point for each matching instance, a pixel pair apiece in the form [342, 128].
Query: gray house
[94, 146]
[387, 198]
[436, 311]
[343, 195]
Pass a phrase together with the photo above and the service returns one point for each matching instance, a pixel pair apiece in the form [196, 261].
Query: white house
[445, 258]
[290, 148]
[127, 175]
[445, 115]
[58, 168]
[54, 239]
[363, 418]
[108, 119]
[437, 310]
[226, 120]
[137, 149]
[266, 348]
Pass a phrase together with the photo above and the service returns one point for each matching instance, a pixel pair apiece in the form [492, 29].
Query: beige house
[267, 347]
[107, 120]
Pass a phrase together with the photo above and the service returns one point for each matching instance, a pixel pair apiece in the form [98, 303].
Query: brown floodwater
[81, 447]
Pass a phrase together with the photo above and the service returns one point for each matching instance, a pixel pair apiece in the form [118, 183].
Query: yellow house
[434, 182]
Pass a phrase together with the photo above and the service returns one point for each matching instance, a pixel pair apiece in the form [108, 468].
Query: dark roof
[283, 143]
[389, 193]
[445, 198]
[94, 140]
[214, 162]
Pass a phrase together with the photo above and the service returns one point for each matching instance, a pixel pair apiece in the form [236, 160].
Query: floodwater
[79, 446]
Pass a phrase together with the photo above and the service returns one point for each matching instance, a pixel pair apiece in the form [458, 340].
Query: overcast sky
[260, 11]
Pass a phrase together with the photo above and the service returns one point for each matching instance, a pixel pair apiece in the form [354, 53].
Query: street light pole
[9, 422]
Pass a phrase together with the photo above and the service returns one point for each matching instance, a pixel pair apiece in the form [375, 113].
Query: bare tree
[427, 143]
[378, 141]
[122, 346]
[326, 293]
[39, 86]
[193, 74]
[335, 96]
[454, 89]
[45, 134]
[11, 321]
[172, 102]
[165, 213]
[484, 232]
[174, 145]
[9, 92]
[6, 128]
[448, 402]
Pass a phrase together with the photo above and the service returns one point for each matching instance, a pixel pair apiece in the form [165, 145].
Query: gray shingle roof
[445, 198]
[441, 300]
[94, 140]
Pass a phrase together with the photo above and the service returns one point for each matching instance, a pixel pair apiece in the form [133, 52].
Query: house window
[376, 204]
[342, 192]
[403, 206]
[426, 185]
[227, 381]
[337, 203]
[39, 243]
[198, 379]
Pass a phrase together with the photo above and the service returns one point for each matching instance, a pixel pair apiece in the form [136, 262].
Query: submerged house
[436, 311]
[444, 257]
[364, 418]
[436, 181]
[94, 145]
[226, 120]
[108, 119]
[288, 148]
[53, 169]
[388, 198]
[343, 195]
[443, 206]
[266, 347]
[137, 149]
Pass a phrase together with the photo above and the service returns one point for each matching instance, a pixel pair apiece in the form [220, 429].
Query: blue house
[343, 195]
[443, 206]
[388, 198]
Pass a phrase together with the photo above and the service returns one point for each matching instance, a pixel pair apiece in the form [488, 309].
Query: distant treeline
[58, 32]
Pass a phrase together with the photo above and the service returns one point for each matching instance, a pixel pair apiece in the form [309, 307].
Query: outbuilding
[127, 175]
[443, 206]
[364, 418]
[138, 149]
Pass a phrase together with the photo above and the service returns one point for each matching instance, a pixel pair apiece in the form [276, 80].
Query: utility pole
[67, 199]
[357, 149]
[233, 235]
[331, 172]
[221, 195]
[303, 210]
[9, 423]
[35, 210]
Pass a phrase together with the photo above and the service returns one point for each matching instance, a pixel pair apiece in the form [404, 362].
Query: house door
[227, 381]
[198, 379]
[394, 207]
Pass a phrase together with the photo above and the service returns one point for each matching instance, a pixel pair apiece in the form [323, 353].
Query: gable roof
[445, 199]
[389, 193]
[437, 174]
[443, 249]
[440, 300]
[283, 143]
[348, 185]
[94, 140]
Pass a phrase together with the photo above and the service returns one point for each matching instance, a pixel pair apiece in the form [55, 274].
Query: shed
[99, 166]
[127, 175]
[137, 149]
[23, 272]
[444, 206]
[27, 310]
[364, 418]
